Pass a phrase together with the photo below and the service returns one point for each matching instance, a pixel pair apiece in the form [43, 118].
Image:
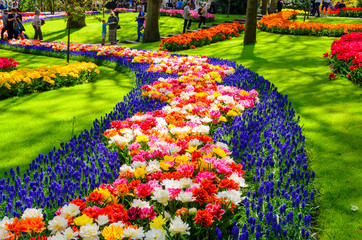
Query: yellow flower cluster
[47, 74]
[300, 12]
[25, 81]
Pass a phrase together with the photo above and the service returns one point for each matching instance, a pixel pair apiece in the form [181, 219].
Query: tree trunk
[68, 44]
[76, 22]
[250, 25]
[53, 6]
[273, 6]
[152, 33]
[264, 7]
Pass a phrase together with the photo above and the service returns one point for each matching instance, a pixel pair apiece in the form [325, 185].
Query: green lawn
[36, 123]
[331, 114]
[54, 30]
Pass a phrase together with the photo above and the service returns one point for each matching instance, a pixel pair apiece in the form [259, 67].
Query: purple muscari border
[267, 140]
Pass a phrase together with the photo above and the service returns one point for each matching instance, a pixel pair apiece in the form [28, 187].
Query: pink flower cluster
[178, 13]
[7, 64]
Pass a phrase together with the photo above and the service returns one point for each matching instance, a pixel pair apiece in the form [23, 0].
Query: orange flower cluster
[202, 37]
[26, 225]
[281, 23]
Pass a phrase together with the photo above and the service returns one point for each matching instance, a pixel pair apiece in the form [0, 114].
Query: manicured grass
[55, 31]
[36, 123]
[330, 116]
[329, 20]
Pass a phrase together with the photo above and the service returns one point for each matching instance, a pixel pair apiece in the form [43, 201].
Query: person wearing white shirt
[187, 16]
[37, 26]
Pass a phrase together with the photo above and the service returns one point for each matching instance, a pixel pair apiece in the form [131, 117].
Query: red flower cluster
[202, 37]
[346, 56]
[7, 64]
[332, 76]
[345, 12]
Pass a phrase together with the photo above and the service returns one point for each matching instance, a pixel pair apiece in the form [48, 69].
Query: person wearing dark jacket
[112, 25]
[280, 5]
[11, 19]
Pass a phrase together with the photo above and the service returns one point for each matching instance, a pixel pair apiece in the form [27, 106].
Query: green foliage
[28, 6]
[296, 4]
[237, 7]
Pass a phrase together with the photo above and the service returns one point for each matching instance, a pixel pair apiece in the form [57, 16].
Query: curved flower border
[280, 23]
[266, 140]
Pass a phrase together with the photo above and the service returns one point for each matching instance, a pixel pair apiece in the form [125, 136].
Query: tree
[251, 20]
[75, 10]
[102, 3]
[152, 32]
[273, 6]
[264, 6]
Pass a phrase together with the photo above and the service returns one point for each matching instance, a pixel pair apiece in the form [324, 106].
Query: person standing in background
[104, 31]
[11, 18]
[21, 28]
[112, 31]
[312, 2]
[2, 5]
[202, 14]
[5, 23]
[317, 3]
[37, 26]
[179, 4]
[140, 20]
[325, 6]
[342, 5]
[280, 5]
[187, 16]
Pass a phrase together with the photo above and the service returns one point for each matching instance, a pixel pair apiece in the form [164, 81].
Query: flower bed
[345, 12]
[173, 13]
[280, 23]
[124, 10]
[7, 64]
[178, 13]
[265, 140]
[26, 80]
[346, 56]
[202, 37]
